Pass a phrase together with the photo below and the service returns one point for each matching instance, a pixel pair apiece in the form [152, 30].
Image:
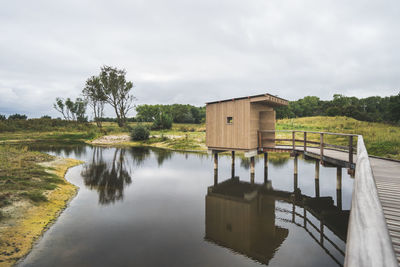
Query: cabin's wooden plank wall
[219, 133]
[255, 109]
[242, 133]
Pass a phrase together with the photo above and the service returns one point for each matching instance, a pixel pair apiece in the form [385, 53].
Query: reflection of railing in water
[319, 230]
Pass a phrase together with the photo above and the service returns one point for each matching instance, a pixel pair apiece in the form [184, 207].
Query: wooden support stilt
[215, 177]
[265, 167]
[252, 169]
[339, 187]
[252, 165]
[233, 164]
[317, 169]
[316, 187]
[295, 171]
[215, 161]
[317, 178]
[339, 178]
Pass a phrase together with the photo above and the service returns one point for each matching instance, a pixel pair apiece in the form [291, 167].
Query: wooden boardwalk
[386, 174]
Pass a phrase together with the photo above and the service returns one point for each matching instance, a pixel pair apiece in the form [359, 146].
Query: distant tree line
[179, 113]
[18, 122]
[374, 108]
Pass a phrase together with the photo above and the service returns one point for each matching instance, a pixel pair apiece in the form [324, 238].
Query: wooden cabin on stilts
[233, 125]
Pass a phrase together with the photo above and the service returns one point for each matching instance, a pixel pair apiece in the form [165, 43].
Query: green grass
[380, 139]
[22, 177]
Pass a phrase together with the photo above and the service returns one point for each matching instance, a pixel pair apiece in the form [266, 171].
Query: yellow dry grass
[18, 236]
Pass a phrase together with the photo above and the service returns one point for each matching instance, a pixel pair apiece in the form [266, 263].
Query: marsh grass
[22, 177]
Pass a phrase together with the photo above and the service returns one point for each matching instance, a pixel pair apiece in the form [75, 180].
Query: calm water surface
[148, 207]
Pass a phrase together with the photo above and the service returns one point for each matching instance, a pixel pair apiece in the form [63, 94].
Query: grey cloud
[197, 51]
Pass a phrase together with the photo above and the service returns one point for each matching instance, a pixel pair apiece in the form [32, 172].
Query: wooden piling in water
[265, 167]
[233, 165]
[215, 161]
[339, 187]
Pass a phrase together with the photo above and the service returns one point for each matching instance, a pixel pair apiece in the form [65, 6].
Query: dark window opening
[229, 120]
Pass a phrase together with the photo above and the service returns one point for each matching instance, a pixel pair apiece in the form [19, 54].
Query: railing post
[351, 149]
[305, 141]
[293, 139]
[321, 145]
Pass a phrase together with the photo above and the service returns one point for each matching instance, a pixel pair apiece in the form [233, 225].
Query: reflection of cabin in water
[242, 216]
[232, 124]
[234, 220]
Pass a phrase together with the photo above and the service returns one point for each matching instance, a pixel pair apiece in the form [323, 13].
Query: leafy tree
[147, 113]
[79, 109]
[117, 91]
[71, 110]
[2, 117]
[96, 98]
[162, 121]
[60, 107]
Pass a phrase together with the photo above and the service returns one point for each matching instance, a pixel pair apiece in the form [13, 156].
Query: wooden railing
[321, 144]
[368, 240]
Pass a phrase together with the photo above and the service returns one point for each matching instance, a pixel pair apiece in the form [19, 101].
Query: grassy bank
[381, 139]
[32, 193]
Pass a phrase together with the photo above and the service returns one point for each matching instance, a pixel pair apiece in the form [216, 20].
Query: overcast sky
[197, 51]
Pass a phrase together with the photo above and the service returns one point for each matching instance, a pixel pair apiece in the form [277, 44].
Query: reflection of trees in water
[78, 150]
[162, 155]
[275, 160]
[278, 161]
[139, 154]
[107, 177]
[245, 162]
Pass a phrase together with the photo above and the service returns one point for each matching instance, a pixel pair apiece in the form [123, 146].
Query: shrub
[162, 121]
[17, 117]
[2, 117]
[140, 132]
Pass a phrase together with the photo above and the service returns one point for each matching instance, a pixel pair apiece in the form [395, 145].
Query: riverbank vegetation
[381, 139]
[32, 193]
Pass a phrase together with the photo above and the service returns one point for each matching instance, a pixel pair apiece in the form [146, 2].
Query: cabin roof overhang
[262, 98]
